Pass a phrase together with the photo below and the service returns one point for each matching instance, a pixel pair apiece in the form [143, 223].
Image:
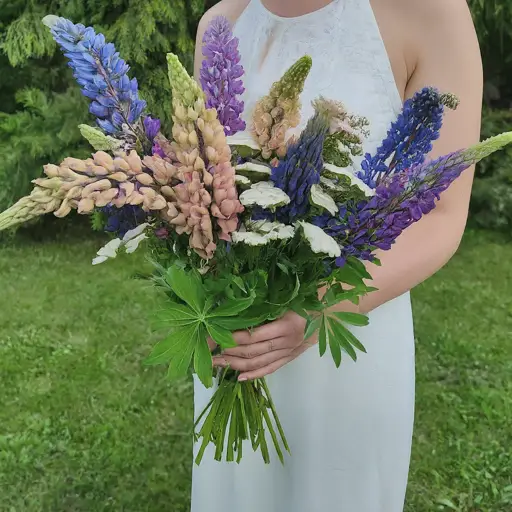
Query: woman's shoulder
[231, 9]
[419, 33]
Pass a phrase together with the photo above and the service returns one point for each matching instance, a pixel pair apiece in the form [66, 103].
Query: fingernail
[219, 361]
[242, 379]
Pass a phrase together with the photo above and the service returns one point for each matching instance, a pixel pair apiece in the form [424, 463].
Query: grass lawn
[85, 427]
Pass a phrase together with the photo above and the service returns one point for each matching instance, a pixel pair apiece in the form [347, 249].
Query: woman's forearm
[418, 253]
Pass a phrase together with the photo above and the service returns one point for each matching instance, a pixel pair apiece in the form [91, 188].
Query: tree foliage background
[40, 105]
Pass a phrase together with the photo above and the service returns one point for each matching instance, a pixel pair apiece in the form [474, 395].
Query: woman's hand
[267, 348]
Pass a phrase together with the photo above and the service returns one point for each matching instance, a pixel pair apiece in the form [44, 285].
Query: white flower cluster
[130, 243]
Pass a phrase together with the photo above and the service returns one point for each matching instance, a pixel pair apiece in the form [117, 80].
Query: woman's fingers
[211, 344]
[257, 349]
[242, 364]
[274, 366]
[265, 332]
[266, 370]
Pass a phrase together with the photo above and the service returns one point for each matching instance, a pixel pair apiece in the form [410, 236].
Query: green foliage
[77, 402]
[493, 21]
[41, 105]
[491, 205]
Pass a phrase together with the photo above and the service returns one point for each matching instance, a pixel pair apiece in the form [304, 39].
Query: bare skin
[429, 43]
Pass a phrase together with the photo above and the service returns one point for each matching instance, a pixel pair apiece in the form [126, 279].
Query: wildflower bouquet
[243, 223]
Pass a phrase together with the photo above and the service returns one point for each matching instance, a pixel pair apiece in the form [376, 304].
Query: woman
[349, 429]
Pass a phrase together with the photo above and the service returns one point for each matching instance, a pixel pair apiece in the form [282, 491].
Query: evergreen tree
[40, 104]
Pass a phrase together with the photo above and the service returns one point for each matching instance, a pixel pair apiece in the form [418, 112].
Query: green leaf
[359, 267]
[220, 335]
[188, 287]
[352, 339]
[352, 318]
[348, 275]
[312, 327]
[339, 335]
[322, 337]
[333, 344]
[180, 363]
[174, 315]
[173, 345]
[283, 268]
[232, 307]
[203, 365]
[293, 296]
[238, 323]
[239, 282]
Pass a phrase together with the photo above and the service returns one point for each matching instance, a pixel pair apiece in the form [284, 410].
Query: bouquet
[243, 223]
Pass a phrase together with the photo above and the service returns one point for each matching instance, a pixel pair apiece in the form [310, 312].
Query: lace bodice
[350, 62]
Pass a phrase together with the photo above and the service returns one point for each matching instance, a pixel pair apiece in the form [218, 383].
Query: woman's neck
[291, 8]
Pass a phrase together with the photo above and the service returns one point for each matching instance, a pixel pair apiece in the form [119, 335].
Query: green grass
[84, 426]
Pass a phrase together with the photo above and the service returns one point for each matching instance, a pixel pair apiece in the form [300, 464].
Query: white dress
[349, 429]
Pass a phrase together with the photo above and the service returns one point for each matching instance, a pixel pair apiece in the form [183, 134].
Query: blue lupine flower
[410, 137]
[101, 74]
[220, 75]
[300, 170]
[400, 200]
[122, 220]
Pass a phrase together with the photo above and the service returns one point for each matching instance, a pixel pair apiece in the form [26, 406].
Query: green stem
[274, 414]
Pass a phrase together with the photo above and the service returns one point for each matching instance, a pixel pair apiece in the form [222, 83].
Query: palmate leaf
[180, 363]
[223, 337]
[349, 336]
[322, 337]
[187, 286]
[338, 338]
[333, 343]
[203, 365]
[239, 323]
[312, 326]
[174, 315]
[359, 267]
[232, 307]
[352, 318]
[174, 345]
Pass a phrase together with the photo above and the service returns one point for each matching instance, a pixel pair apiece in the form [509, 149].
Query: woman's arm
[448, 57]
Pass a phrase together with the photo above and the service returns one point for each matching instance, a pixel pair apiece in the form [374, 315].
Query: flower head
[275, 113]
[100, 72]
[410, 137]
[220, 75]
[300, 170]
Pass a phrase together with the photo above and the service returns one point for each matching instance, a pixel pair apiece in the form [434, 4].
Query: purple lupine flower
[152, 128]
[400, 200]
[220, 75]
[121, 220]
[101, 74]
[300, 169]
[410, 137]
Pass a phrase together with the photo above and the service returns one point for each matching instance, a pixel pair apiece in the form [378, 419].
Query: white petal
[242, 180]
[110, 250]
[249, 238]
[133, 244]
[319, 241]
[51, 20]
[243, 139]
[320, 198]
[264, 194]
[133, 233]
[99, 259]
[273, 230]
[354, 180]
